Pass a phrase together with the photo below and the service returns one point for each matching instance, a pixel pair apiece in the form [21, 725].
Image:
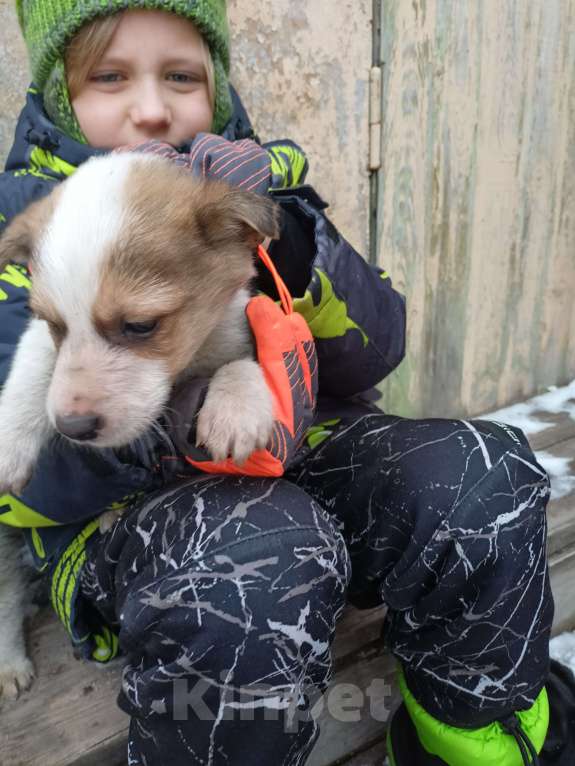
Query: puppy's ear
[232, 214]
[18, 242]
[259, 214]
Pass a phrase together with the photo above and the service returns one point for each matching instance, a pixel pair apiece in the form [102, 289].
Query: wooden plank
[372, 696]
[561, 519]
[374, 755]
[562, 429]
[562, 573]
[76, 721]
[561, 511]
[78, 724]
[72, 704]
[357, 628]
[69, 718]
[278, 50]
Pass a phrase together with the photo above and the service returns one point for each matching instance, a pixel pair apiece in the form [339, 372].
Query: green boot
[415, 738]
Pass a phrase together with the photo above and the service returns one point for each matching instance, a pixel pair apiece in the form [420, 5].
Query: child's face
[150, 83]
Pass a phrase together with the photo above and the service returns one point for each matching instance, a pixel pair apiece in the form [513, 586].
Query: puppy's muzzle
[80, 428]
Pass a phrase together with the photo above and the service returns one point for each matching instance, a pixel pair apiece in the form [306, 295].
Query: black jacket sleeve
[355, 314]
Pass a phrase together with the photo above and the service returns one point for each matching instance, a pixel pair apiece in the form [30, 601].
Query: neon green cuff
[488, 745]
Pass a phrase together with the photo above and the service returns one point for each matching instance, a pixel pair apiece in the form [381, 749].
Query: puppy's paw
[16, 466]
[237, 417]
[15, 471]
[16, 676]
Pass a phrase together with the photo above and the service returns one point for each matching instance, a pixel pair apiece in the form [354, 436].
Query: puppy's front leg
[24, 423]
[24, 427]
[237, 416]
[16, 671]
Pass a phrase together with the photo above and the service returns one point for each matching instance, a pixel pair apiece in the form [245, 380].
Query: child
[223, 593]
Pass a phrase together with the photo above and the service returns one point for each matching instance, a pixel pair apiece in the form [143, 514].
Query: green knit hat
[49, 25]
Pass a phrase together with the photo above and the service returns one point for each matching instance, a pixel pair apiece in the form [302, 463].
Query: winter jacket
[356, 317]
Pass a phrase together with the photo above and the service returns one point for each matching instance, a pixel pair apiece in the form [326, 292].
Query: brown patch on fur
[45, 310]
[19, 241]
[186, 249]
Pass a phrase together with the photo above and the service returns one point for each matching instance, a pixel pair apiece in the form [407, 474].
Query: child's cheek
[196, 117]
[99, 118]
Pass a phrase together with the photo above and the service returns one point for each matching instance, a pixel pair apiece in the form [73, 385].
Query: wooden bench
[70, 718]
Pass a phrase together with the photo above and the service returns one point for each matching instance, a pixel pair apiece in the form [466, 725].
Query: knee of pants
[504, 491]
[486, 532]
[202, 517]
[461, 492]
[456, 472]
[245, 590]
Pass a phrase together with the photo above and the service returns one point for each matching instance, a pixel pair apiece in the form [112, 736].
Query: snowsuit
[224, 593]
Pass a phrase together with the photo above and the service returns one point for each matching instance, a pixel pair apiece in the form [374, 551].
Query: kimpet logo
[344, 702]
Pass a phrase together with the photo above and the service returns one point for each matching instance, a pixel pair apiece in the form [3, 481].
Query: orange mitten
[286, 353]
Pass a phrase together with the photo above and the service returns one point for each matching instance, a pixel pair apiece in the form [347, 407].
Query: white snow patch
[560, 474]
[562, 648]
[556, 400]
[523, 416]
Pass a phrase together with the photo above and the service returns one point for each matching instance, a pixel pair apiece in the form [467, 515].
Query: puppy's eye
[139, 329]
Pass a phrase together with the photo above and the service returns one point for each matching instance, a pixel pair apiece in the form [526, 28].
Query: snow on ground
[560, 473]
[524, 416]
[562, 648]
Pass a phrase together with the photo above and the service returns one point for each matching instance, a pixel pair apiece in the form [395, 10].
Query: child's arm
[354, 313]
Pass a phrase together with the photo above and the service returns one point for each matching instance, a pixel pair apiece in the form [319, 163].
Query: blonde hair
[91, 42]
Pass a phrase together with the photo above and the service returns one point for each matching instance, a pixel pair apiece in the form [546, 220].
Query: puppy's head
[133, 262]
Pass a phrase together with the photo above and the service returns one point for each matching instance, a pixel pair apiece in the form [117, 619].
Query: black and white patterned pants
[227, 590]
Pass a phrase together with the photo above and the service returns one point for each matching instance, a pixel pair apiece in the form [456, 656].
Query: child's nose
[150, 108]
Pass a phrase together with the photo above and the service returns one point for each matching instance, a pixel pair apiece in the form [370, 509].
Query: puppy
[139, 281]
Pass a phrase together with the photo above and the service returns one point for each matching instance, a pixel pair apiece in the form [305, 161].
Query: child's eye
[183, 77]
[106, 77]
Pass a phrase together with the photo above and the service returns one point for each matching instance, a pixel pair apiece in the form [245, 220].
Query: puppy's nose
[79, 427]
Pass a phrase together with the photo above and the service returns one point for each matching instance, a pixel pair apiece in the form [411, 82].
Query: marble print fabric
[226, 591]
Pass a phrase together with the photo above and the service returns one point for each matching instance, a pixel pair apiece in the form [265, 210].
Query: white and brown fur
[128, 239]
